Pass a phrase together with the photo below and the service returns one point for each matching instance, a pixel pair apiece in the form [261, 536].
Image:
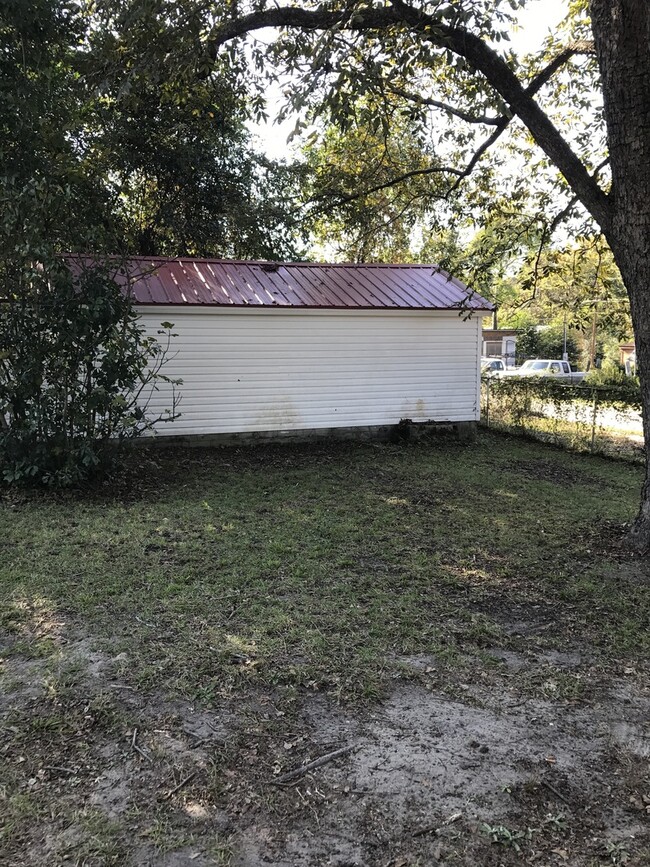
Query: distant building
[500, 343]
[627, 357]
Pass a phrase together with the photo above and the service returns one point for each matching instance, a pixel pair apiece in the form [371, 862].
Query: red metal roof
[229, 283]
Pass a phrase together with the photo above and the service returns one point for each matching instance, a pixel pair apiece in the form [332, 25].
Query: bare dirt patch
[472, 770]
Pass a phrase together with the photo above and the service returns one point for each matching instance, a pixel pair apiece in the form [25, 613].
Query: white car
[548, 367]
[493, 367]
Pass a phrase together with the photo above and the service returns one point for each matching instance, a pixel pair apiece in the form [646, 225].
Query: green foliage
[411, 144]
[355, 207]
[623, 393]
[167, 127]
[571, 284]
[76, 370]
[112, 140]
[73, 361]
[613, 378]
[185, 181]
[514, 839]
[50, 194]
[546, 343]
[506, 837]
[616, 853]
[429, 120]
[106, 147]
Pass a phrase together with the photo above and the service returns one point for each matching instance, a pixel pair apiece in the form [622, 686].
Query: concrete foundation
[406, 430]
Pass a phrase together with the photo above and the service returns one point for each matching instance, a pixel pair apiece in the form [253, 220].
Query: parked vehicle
[493, 366]
[548, 367]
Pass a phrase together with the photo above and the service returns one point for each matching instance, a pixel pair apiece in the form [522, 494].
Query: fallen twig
[138, 749]
[436, 829]
[555, 792]
[59, 768]
[143, 622]
[182, 783]
[235, 610]
[311, 766]
[431, 829]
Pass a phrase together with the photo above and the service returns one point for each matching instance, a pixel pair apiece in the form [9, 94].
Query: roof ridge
[278, 262]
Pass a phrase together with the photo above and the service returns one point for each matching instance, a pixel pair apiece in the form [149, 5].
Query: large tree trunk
[633, 257]
[622, 35]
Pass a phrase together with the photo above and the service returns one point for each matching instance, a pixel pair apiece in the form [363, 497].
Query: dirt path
[521, 757]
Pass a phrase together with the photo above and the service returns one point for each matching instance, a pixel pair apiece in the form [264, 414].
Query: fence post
[528, 406]
[593, 420]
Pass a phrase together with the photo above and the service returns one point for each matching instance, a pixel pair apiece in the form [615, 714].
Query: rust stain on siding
[282, 414]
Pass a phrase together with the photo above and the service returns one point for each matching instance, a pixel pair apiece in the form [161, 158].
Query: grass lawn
[248, 588]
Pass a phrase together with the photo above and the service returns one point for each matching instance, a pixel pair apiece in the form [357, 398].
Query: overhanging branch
[542, 78]
[489, 120]
[581, 46]
[548, 229]
[461, 42]
[399, 179]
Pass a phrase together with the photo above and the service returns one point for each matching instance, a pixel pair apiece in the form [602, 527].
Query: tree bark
[622, 36]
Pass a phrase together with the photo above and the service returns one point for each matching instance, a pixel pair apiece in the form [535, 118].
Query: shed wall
[280, 370]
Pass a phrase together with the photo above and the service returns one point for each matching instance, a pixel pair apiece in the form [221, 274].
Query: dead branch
[555, 792]
[311, 766]
[139, 750]
[182, 783]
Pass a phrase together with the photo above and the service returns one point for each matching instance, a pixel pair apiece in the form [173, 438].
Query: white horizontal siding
[263, 370]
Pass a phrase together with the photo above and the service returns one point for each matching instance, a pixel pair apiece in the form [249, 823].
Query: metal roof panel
[226, 283]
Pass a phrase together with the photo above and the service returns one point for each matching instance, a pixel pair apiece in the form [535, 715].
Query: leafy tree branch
[461, 42]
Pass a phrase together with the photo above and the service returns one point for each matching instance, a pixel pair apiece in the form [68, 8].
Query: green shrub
[610, 376]
[546, 343]
[76, 372]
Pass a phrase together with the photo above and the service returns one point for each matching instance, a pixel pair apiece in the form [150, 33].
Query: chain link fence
[585, 418]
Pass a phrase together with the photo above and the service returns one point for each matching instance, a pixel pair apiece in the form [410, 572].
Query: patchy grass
[173, 643]
[317, 566]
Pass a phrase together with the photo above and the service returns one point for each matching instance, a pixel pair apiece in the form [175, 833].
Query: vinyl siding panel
[250, 370]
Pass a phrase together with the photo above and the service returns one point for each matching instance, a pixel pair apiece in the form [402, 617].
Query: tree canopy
[101, 151]
[103, 154]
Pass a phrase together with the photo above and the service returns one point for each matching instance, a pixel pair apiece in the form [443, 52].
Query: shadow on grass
[317, 567]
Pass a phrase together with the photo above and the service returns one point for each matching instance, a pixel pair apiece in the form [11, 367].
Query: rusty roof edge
[451, 308]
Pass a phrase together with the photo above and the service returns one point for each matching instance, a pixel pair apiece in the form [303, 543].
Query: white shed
[288, 347]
